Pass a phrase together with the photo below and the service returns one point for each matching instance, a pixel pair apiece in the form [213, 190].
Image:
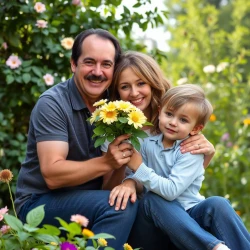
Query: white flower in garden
[39, 7]
[41, 24]
[13, 62]
[243, 181]
[209, 69]
[76, 2]
[49, 79]
[221, 66]
[67, 43]
[182, 81]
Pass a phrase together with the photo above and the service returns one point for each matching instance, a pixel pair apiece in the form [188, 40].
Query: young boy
[162, 168]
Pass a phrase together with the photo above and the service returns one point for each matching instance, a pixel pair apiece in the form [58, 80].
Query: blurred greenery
[203, 33]
[216, 33]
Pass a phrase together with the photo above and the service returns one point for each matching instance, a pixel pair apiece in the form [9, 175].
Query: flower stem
[11, 197]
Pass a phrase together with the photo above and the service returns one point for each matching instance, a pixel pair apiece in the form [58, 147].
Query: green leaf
[9, 79]
[47, 238]
[26, 77]
[37, 71]
[73, 29]
[99, 130]
[99, 141]
[110, 248]
[110, 138]
[122, 119]
[29, 228]
[35, 216]
[12, 244]
[49, 229]
[135, 142]
[102, 235]
[26, 63]
[13, 222]
[23, 236]
[139, 133]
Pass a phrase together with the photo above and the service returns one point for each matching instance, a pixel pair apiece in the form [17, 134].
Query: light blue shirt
[169, 173]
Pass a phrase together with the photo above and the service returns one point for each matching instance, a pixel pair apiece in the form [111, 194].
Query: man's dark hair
[77, 47]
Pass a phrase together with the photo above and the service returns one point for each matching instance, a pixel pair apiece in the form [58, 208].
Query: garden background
[208, 45]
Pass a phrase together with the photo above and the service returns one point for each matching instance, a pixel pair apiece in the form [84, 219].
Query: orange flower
[6, 175]
[212, 118]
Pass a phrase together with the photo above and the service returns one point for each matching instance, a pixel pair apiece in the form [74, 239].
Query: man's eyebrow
[88, 58]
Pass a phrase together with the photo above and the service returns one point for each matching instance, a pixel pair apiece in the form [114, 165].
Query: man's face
[94, 70]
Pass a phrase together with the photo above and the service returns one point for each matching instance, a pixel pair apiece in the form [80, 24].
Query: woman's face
[131, 88]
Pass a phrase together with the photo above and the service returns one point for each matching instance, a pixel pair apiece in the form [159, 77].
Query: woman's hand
[120, 194]
[198, 144]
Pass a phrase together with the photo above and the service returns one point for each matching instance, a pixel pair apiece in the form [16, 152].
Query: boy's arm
[183, 173]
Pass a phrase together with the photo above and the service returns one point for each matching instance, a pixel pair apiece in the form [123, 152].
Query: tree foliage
[216, 34]
[40, 52]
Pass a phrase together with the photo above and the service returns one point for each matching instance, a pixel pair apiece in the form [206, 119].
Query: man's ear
[73, 66]
[197, 129]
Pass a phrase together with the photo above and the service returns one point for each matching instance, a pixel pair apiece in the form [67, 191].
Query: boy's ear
[197, 129]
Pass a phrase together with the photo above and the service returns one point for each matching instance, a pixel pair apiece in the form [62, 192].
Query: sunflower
[100, 103]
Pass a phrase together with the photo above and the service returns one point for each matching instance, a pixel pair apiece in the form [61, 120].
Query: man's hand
[119, 152]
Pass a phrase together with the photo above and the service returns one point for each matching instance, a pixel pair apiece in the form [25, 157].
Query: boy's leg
[93, 204]
[216, 215]
[159, 220]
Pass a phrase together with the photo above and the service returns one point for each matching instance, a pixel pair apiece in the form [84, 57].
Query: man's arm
[59, 172]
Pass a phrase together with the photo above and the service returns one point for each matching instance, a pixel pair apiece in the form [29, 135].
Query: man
[63, 169]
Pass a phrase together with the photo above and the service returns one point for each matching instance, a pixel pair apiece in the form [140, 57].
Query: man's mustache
[96, 78]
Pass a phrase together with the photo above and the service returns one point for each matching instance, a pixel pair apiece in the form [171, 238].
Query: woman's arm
[198, 144]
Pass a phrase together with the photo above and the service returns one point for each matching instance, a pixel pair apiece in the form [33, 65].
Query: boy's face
[178, 124]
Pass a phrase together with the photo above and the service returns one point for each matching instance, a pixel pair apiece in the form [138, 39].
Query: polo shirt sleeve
[185, 170]
[49, 120]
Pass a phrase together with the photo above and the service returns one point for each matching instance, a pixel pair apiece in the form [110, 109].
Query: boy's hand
[135, 160]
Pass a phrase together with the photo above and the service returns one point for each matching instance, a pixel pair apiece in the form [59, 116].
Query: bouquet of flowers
[115, 118]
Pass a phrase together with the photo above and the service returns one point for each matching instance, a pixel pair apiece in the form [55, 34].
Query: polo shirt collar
[158, 140]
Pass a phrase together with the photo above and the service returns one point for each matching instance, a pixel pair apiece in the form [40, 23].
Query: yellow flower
[212, 118]
[67, 43]
[53, 243]
[6, 175]
[100, 103]
[136, 118]
[126, 246]
[94, 115]
[124, 106]
[109, 107]
[102, 242]
[108, 116]
[87, 233]
[246, 121]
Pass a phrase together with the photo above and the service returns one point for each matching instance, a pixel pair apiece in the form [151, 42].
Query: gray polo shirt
[59, 115]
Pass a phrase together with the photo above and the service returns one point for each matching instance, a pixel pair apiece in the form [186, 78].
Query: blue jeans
[159, 220]
[93, 204]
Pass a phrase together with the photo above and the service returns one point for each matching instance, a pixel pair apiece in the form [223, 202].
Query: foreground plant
[15, 234]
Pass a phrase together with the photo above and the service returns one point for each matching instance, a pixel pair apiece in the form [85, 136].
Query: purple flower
[225, 137]
[67, 246]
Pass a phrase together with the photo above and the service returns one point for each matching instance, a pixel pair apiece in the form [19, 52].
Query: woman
[139, 80]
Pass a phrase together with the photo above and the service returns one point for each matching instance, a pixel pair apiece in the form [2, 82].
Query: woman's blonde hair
[176, 97]
[147, 69]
